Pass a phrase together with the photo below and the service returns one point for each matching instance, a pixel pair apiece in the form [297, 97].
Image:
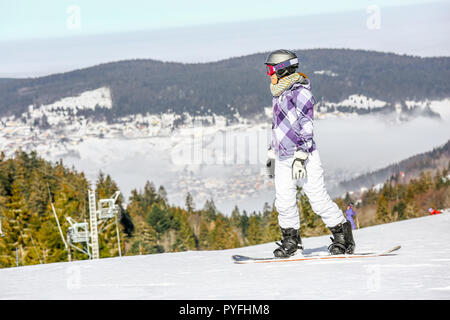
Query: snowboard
[247, 260]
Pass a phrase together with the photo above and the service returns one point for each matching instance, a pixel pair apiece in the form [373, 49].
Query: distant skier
[293, 157]
[433, 211]
[350, 213]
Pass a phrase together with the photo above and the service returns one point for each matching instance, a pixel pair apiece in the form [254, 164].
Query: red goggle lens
[270, 70]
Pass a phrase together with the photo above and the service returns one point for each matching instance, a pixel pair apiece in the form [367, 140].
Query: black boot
[290, 243]
[343, 239]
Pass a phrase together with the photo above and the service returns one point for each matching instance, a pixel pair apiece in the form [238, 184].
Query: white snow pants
[314, 188]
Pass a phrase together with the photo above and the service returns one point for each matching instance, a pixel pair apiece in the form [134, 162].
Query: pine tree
[235, 217]
[185, 239]
[162, 195]
[310, 223]
[136, 205]
[144, 240]
[218, 236]
[272, 230]
[149, 196]
[399, 210]
[38, 198]
[203, 238]
[244, 223]
[254, 232]
[106, 187]
[189, 202]
[222, 235]
[210, 210]
[267, 211]
[382, 215]
[158, 219]
[369, 197]
[438, 180]
[411, 210]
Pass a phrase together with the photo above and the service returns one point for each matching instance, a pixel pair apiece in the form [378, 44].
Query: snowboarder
[350, 213]
[293, 157]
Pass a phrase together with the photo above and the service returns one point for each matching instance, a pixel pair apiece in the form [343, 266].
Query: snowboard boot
[342, 240]
[290, 243]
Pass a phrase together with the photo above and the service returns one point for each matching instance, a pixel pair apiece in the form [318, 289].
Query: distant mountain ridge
[437, 158]
[235, 85]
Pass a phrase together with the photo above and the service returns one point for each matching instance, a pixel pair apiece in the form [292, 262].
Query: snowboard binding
[342, 240]
[290, 243]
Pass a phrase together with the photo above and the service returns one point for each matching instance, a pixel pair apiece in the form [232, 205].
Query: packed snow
[420, 270]
[90, 99]
[358, 101]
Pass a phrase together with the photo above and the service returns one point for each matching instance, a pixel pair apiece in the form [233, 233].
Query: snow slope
[420, 270]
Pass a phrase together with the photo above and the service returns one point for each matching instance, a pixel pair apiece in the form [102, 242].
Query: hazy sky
[44, 37]
[30, 19]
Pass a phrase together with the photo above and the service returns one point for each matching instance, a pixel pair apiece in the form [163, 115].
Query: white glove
[298, 166]
[270, 164]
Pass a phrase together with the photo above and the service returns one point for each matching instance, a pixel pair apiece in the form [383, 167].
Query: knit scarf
[286, 82]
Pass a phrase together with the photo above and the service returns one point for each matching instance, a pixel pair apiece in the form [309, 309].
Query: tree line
[150, 224]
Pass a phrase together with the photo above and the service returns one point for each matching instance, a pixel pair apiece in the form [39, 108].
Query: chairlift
[107, 208]
[78, 231]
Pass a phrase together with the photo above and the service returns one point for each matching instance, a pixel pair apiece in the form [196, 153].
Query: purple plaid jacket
[292, 123]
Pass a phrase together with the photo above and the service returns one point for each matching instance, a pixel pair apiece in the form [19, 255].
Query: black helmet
[282, 62]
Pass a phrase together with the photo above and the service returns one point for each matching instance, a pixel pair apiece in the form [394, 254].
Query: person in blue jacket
[350, 213]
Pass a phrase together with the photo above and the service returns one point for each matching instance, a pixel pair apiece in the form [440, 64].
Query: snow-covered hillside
[357, 101]
[91, 99]
[420, 270]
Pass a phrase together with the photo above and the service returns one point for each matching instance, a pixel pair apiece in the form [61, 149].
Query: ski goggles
[272, 69]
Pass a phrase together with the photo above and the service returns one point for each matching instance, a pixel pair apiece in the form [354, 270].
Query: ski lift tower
[93, 224]
[107, 209]
[84, 233]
